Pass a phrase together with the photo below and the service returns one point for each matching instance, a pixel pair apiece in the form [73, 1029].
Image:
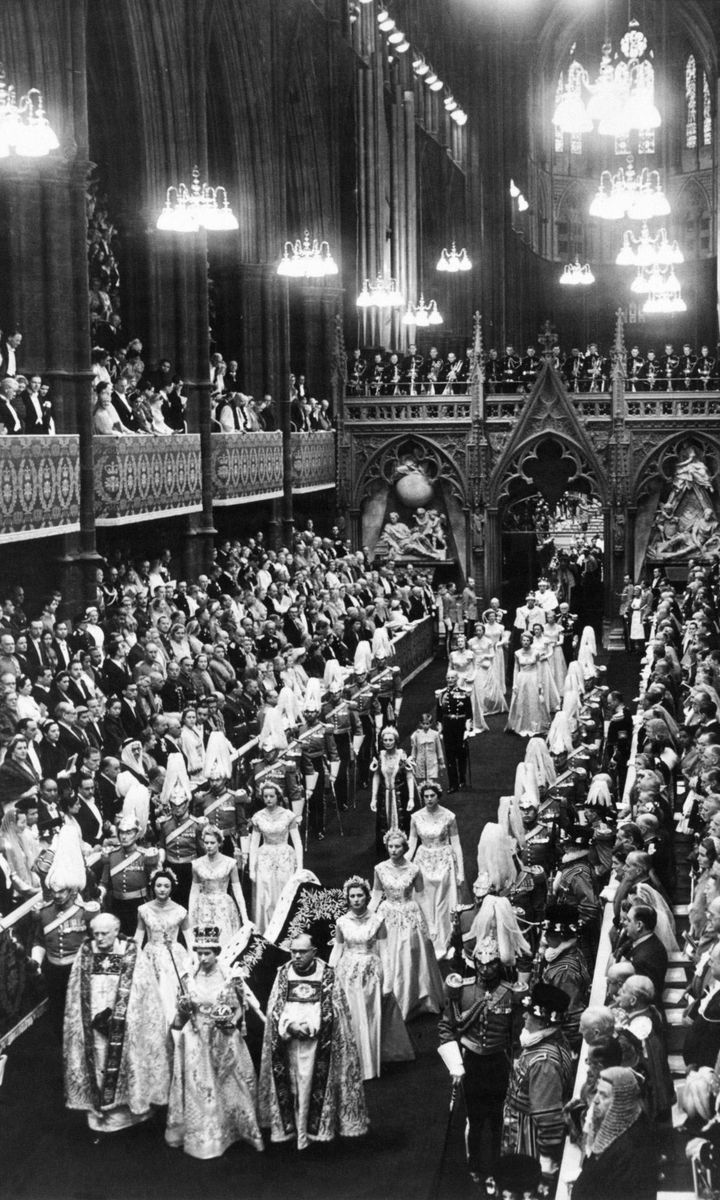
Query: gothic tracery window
[691, 103]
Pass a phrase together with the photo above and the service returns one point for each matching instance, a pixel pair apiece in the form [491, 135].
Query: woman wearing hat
[213, 1095]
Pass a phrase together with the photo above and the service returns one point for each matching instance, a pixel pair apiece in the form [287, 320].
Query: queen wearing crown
[213, 1096]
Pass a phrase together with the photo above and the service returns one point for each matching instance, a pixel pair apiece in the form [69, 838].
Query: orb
[414, 489]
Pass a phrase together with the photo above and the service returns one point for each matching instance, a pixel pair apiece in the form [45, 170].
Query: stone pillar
[493, 552]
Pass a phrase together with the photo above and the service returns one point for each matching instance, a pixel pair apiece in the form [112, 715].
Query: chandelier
[380, 294]
[575, 275]
[621, 99]
[453, 262]
[24, 128]
[198, 207]
[626, 194]
[422, 314]
[307, 259]
[662, 288]
[648, 251]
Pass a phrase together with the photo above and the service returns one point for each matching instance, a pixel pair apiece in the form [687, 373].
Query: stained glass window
[707, 115]
[691, 103]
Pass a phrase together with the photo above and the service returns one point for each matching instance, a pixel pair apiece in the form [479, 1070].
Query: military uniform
[180, 839]
[541, 849]
[454, 712]
[126, 878]
[60, 932]
[484, 1025]
[540, 1084]
[319, 763]
[388, 689]
[347, 731]
[363, 700]
[569, 971]
[282, 771]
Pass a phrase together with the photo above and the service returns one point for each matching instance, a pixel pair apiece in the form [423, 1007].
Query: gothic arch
[380, 467]
[514, 466]
[659, 463]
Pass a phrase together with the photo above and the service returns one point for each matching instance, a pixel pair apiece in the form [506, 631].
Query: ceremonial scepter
[183, 989]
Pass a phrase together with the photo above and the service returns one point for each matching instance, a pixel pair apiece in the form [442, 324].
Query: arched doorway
[552, 522]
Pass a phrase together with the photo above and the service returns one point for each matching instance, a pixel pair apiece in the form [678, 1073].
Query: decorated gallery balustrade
[247, 465]
[678, 405]
[146, 476]
[39, 486]
[408, 408]
[140, 477]
[313, 460]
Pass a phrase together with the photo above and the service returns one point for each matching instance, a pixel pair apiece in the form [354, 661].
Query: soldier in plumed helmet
[477, 1030]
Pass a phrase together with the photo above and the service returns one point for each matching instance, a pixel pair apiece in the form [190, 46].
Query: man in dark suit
[35, 655]
[89, 817]
[173, 693]
[644, 949]
[9, 352]
[61, 646]
[70, 740]
[37, 409]
[620, 723]
[79, 690]
[132, 721]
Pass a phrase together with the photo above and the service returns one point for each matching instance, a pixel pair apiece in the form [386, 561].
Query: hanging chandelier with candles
[648, 250]
[189, 209]
[24, 128]
[662, 288]
[307, 259]
[575, 275]
[380, 294]
[622, 97]
[422, 314]
[627, 194]
[453, 262]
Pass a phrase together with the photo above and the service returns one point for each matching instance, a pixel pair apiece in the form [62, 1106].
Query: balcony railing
[141, 476]
[39, 486]
[408, 408]
[313, 456]
[247, 465]
[672, 404]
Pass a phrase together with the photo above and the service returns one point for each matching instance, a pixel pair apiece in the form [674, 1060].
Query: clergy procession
[200, 977]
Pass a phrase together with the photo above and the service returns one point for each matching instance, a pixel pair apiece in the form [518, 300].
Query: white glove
[547, 1165]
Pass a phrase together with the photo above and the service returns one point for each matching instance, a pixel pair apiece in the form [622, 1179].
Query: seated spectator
[38, 408]
[11, 422]
[106, 422]
[620, 1143]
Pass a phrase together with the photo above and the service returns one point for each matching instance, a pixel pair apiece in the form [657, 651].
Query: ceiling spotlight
[523, 205]
[437, 86]
[396, 37]
[386, 24]
[420, 67]
[403, 47]
[459, 117]
[431, 78]
[450, 104]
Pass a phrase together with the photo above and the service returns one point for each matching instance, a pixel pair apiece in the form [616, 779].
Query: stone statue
[394, 539]
[425, 539]
[686, 524]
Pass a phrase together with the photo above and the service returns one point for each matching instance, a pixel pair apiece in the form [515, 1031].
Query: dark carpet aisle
[46, 1153]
